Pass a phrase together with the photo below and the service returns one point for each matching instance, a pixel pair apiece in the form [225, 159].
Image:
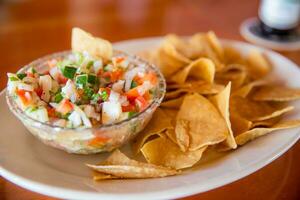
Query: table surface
[30, 29]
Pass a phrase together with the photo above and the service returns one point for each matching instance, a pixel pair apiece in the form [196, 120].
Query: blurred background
[33, 28]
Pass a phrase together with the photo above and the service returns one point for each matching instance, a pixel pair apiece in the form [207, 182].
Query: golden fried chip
[266, 123]
[232, 55]
[173, 103]
[246, 89]
[206, 125]
[97, 176]
[238, 124]
[204, 89]
[202, 68]
[158, 123]
[257, 132]
[221, 101]
[257, 111]
[182, 134]
[169, 59]
[97, 47]
[215, 44]
[276, 93]
[237, 78]
[119, 165]
[258, 65]
[199, 41]
[169, 154]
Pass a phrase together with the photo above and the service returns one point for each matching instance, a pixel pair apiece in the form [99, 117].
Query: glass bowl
[89, 140]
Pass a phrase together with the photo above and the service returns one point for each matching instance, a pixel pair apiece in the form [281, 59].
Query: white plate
[27, 162]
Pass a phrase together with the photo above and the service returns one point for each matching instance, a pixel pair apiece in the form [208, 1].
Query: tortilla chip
[119, 165]
[97, 176]
[246, 89]
[232, 55]
[257, 111]
[202, 68]
[238, 124]
[257, 132]
[237, 78]
[171, 135]
[204, 89]
[233, 67]
[158, 124]
[199, 41]
[182, 134]
[169, 154]
[215, 44]
[276, 93]
[169, 59]
[97, 47]
[221, 101]
[266, 123]
[206, 125]
[258, 65]
[173, 103]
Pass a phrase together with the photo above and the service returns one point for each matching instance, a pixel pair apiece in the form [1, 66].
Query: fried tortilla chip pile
[216, 98]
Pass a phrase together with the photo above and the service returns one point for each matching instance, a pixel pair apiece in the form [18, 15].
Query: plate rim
[177, 192]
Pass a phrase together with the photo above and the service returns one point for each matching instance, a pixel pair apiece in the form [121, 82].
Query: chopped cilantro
[21, 75]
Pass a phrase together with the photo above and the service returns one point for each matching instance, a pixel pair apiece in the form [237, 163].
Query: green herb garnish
[104, 95]
[21, 75]
[133, 84]
[69, 71]
[12, 78]
[58, 97]
[81, 80]
[92, 79]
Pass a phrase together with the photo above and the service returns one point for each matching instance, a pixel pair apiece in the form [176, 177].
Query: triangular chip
[97, 47]
[169, 59]
[206, 125]
[173, 103]
[257, 111]
[215, 44]
[276, 93]
[238, 124]
[119, 165]
[246, 89]
[221, 101]
[158, 123]
[258, 65]
[202, 68]
[257, 132]
[97, 176]
[182, 134]
[169, 154]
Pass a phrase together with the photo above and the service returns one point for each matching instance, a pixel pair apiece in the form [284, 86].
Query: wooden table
[30, 29]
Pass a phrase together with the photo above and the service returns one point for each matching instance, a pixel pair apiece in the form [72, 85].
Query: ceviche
[84, 91]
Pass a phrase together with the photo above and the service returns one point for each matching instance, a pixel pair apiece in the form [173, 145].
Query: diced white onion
[111, 111]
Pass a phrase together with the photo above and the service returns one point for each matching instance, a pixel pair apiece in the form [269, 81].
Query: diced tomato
[51, 112]
[119, 59]
[24, 96]
[138, 80]
[46, 72]
[107, 90]
[128, 108]
[147, 96]
[98, 141]
[65, 106]
[132, 94]
[29, 74]
[141, 103]
[39, 91]
[116, 75]
[61, 79]
[100, 72]
[113, 76]
[151, 77]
